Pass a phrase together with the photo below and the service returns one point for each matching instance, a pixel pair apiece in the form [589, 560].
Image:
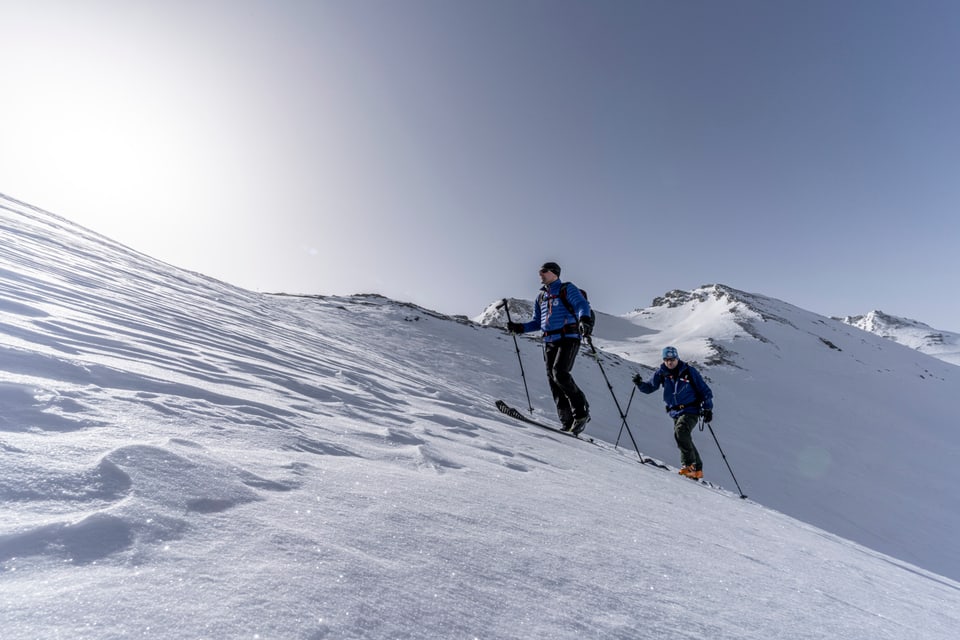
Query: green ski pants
[683, 427]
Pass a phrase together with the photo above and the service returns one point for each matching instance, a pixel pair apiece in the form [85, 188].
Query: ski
[654, 463]
[645, 460]
[715, 487]
[702, 482]
[513, 413]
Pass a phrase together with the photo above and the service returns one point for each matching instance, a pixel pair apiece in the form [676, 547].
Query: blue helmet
[669, 352]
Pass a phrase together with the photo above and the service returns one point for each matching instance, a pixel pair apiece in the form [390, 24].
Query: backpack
[592, 320]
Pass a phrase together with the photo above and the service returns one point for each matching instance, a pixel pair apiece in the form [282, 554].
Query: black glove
[637, 379]
[585, 328]
[707, 415]
[515, 327]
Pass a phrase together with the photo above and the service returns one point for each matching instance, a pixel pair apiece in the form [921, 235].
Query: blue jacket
[551, 316]
[684, 390]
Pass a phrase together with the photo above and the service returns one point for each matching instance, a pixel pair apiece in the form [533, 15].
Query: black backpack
[592, 320]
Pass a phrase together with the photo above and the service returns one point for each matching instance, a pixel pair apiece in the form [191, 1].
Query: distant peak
[877, 321]
[496, 315]
[678, 297]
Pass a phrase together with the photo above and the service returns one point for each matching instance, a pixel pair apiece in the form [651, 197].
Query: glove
[637, 379]
[707, 415]
[514, 327]
[585, 328]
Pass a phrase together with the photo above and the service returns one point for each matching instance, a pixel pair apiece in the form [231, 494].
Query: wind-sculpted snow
[183, 459]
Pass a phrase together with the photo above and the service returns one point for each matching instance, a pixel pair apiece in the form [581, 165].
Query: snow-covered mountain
[944, 345]
[180, 458]
[829, 424]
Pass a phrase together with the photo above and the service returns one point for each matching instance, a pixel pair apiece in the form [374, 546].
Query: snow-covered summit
[495, 315]
[705, 323]
[944, 345]
[882, 323]
[733, 297]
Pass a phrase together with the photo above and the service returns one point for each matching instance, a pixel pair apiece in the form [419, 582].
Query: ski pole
[725, 459]
[503, 304]
[623, 416]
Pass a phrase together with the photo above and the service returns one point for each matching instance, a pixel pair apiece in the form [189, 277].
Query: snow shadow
[93, 538]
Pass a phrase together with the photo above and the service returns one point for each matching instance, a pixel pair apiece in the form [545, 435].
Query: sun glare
[96, 133]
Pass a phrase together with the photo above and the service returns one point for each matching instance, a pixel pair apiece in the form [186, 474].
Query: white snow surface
[944, 345]
[185, 459]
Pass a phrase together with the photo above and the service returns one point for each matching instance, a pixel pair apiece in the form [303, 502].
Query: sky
[186, 459]
[439, 152]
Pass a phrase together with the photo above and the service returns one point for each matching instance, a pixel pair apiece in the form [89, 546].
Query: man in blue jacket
[687, 397]
[563, 314]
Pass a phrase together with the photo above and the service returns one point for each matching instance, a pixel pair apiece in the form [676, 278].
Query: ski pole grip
[506, 308]
[502, 304]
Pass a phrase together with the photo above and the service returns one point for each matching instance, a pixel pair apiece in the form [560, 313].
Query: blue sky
[438, 151]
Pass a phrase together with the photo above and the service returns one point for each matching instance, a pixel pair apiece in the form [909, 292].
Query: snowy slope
[819, 420]
[944, 345]
[185, 459]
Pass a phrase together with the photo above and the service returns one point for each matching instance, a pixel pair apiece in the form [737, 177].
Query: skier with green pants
[687, 397]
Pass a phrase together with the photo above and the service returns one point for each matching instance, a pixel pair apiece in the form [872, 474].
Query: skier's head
[551, 266]
[549, 273]
[670, 358]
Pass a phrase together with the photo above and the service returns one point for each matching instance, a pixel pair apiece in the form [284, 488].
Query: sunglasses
[669, 359]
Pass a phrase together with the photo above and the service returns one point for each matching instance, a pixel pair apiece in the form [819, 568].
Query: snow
[944, 345]
[185, 459]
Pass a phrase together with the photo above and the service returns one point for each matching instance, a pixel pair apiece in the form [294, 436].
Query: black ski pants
[560, 356]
